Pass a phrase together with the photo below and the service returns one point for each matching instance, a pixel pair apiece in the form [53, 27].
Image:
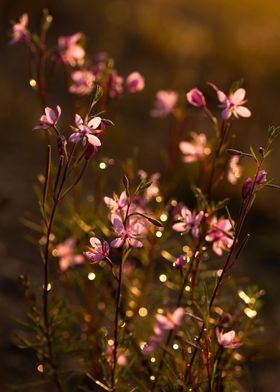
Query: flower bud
[61, 144]
[246, 188]
[226, 318]
[261, 177]
[196, 98]
[179, 262]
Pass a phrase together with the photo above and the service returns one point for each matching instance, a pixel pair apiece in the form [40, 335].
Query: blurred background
[175, 44]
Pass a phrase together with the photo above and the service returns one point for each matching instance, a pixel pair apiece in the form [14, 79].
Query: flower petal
[94, 122]
[93, 140]
[95, 242]
[135, 243]
[238, 96]
[243, 112]
[117, 243]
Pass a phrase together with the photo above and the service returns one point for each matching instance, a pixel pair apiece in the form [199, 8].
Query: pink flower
[228, 339]
[82, 82]
[19, 31]
[234, 169]
[233, 104]
[49, 119]
[165, 103]
[99, 250]
[117, 204]
[134, 82]
[86, 131]
[163, 323]
[188, 222]
[220, 234]
[196, 98]
[171, 320]
[127, 234]
[70, 52]
[151, 345]
[115, 85]
[65, 251]
[195, 150]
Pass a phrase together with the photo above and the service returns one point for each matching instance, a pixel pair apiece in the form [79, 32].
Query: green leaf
[150, 219]
[273, 132]
[221, 204]
[237, 84]
[199, 195]
[125, 181]
[96, 96]
[144, 184]
[253, 153]
[46, 20]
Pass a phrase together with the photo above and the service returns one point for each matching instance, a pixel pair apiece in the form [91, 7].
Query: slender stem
[61, 159]
[216, 156]
[75, 181]
[47, 175]
[45, 303]
[116, 328]
[41, 70]
[46, 274]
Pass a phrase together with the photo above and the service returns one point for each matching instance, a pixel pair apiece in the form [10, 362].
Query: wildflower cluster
[139, 298]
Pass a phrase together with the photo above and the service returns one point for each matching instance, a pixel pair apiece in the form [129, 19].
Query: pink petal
[238, 96]
[242, 111]
[217, 249]
[178, 315]
[94, 122]
[118, 225]
[50, 115]
[221, 96]
[74, 38]
[198, 217]
[186, 148]
[110, 202]
[123, 199]
[135, 243]
[75, 137]
[78, 259]
[164, 322]
[179, 227]
[58, 108]
[93, 140]
[93, 257]
[95, 242]
[117, 243]
[226, 114]
[78, 120]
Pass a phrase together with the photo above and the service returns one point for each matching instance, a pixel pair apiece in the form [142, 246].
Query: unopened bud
[179, 262]
[246, 188]
[261, 177]
[61, 144]
[226, 318]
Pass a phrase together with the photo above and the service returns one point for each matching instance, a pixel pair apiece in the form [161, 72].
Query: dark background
[176, 44]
